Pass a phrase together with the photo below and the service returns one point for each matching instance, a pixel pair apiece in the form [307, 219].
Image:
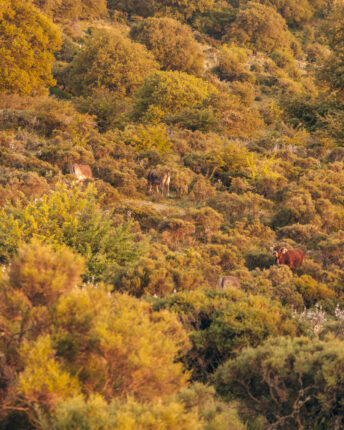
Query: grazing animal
[292, 257]
[157, 179]
[228, 281]
[81, 171]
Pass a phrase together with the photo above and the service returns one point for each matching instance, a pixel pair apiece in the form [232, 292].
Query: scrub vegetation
[112, 315]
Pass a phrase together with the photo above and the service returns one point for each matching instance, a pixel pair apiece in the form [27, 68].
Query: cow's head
[278, 252]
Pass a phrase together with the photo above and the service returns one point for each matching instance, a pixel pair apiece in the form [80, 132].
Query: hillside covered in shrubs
[111, 314]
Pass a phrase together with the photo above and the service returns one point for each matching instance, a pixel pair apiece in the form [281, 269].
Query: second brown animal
[158, 180]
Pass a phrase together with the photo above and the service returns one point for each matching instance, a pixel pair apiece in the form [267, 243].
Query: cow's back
[228, 281]
[299, 257]
[293, 258]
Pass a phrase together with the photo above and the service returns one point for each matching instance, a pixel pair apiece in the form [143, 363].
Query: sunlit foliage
[260, 27]
[172, 44]
[66, 340]
[165, 93]
[66, 9]
[110, 60]
[123, 306]
[180, 8]
[28, 41]
[74, 218]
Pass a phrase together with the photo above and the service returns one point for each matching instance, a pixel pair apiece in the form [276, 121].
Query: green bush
[97, 414]
[62, 10]
[163, 93]
[261, 259]
[290, 382]
[221, 324]
[179, 8]
[296, 13]
[71, 217]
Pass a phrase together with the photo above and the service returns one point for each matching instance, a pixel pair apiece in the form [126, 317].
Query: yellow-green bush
[112, 61]
[232, 60]
[172, 44]
[28, 41]
[260, 27]
[164, 93]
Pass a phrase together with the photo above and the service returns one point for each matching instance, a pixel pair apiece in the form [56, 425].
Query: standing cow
[159, 179]
[228, 281]
[81, 172]
[293, 257]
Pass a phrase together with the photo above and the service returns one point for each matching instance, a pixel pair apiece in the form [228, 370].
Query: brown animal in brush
[81, 172]
[228, 281]
[291, 257]
[157, 179]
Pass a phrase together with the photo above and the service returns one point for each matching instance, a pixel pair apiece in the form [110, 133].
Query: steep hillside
[111, 313]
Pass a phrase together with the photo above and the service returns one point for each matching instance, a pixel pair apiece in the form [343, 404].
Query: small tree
[332, 70]
[232, 61]
[28, 41]
[260, 27]
[172, 44]
[97, 414]
[110, 60]
[294, 12]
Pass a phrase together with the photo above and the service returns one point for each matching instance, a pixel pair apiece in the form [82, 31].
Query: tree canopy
[28, 41]
[172, 44]
[110, 60]
[260, 27]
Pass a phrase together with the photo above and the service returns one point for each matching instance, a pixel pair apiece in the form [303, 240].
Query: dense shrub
[165, 93]
[172, 44]
[66, 344]
[70, 217]
[97, 414]
[291, 382]
[67, 9]
[294, 12]
[260, 27]
[232, 62]
[28, 41]
[222, 324]
[104, 62]
[181, 8]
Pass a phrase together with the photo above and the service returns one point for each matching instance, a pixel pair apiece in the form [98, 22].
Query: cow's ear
[284, 250]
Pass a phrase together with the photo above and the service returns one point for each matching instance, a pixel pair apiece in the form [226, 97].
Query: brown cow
[228, 281]
[81, 171]
[159, 179]
[292, 258]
